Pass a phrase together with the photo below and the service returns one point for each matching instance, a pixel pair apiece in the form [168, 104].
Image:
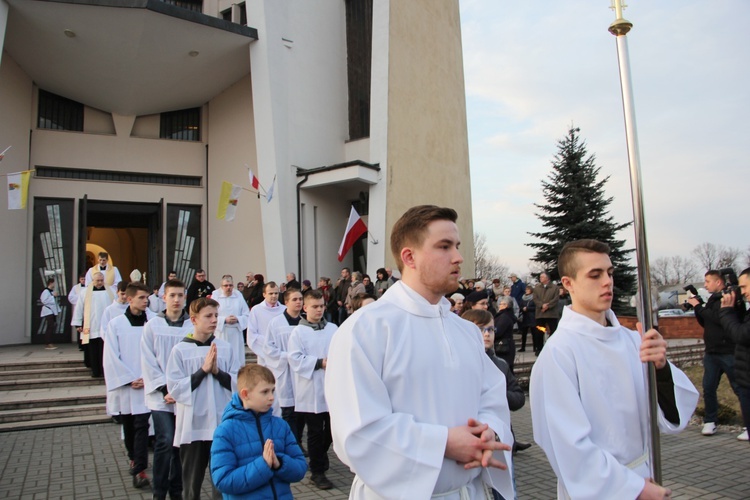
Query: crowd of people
[410, 378]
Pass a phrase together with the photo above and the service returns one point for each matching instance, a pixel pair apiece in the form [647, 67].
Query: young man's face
[121, 297]
[437, 262]
[200, 276]
[259, 398]
[206, 320]
[103, 261]
[82, 280]
[138, 302]
[314, 309]
[345, 274]
[174, 298]
[591, 288]
[744, 282]
[51, 285]
[271, 294]
[294, 304]
[171, 276]
[713, 283]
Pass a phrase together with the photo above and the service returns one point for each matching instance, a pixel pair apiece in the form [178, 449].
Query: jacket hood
[234, 409]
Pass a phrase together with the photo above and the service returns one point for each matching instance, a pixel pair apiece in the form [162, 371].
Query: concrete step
[19, 400]
[54, 422]
[52, 412]
[36, 365]
[12, 385]
[36, 373]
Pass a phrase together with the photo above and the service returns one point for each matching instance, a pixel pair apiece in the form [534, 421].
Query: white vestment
[156, 345]
[155, 304]
[75, 292]
[589, 408]
[234, 305]
[277, 359]
[122, 365]
[112, 311]
[400, 373]
[257, 325]
[306, 347]
[198, 412]
[100, 299]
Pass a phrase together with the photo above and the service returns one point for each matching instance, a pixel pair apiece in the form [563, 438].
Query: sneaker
[50, 347]
[321, 482]
[140, 480]
[743, 436]
[709, 429]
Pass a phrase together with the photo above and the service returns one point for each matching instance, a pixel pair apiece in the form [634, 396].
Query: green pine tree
[576, 208]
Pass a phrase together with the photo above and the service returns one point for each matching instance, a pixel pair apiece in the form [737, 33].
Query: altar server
[260, 316]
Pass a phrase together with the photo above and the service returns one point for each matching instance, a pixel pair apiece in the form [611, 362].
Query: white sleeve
[153, 374]
[275, 356]
[178, 380]
[77, 319]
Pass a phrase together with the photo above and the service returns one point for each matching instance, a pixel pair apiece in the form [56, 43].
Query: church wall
[15, 102]
[427, 131]
[236, 247]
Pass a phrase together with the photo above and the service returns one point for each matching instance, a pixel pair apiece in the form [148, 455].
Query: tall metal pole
[620, 28]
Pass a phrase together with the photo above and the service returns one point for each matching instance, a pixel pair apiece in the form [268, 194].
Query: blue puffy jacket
[237, 465]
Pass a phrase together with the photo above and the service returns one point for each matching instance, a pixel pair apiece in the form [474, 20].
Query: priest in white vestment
[417, 408]
[233, 317]
[111, 273]
[588, 389]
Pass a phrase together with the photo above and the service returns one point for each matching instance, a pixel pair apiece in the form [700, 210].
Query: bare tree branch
[487, 265]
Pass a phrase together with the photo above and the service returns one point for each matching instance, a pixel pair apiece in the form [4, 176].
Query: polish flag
[355, 228]
[253, 180]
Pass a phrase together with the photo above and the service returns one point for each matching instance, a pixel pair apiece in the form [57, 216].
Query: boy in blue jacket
[254, 454]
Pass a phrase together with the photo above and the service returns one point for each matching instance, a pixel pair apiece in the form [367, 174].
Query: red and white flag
[254, 182]
[355, 228]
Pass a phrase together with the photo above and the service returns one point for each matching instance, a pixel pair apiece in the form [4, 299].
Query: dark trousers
[318, 439]
[525, 331]
[343, 314]
[167, 468]
[49, 328]
[96, 357]
[135, 429]
[195, 458]
[296, 424]
[714, 365]
[744, 393]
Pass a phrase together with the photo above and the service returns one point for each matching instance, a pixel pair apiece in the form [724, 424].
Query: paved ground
[89, 462]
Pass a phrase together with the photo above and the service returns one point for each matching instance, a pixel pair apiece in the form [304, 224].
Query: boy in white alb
[233, 316]
[308, 359]
[589, 400]
[260, 316]
[96, 338]
[201, 376]
[160, 335]
[122, 373]
[277, 356]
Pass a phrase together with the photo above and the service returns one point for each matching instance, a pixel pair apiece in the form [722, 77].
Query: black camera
[731, 284]
[691, 289]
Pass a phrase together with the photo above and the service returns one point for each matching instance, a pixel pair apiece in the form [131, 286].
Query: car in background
[664, 313]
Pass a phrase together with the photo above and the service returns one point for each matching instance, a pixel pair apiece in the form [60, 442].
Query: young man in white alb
[201, 376]
[588, 389]
[160, 335]
[308, 359]
[418, 410]
[122, 373]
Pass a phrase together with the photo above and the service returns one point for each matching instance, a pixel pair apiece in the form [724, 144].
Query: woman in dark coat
[505, 346]
[255, 295]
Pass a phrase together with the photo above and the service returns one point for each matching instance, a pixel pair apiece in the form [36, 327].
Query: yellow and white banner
[18, 189]
[230, 194]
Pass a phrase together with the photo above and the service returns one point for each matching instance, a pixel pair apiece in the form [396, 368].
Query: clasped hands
[472, 445]
[209, 364]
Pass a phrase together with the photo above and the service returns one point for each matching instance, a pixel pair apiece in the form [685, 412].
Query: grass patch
[729, 405]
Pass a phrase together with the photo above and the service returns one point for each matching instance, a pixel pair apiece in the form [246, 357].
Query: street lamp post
[620, 28]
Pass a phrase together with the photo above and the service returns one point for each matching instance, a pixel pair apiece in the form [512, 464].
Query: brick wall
[671, 327]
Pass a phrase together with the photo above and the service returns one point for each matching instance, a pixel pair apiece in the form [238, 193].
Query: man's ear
[566, 282]
[407, 257]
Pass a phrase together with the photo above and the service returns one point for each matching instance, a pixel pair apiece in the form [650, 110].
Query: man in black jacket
[719, 356]
[738, 330]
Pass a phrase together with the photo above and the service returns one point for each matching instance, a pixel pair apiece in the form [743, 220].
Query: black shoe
[175, 496]
[321, 482]
[519, 446]
[523, 349]
[160, 497]
[140, 480]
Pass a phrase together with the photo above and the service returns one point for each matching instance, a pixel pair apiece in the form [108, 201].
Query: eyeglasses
[489, 329]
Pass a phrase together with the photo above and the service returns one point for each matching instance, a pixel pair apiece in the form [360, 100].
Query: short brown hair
[313, 294]
[357, 300]
[288, 293]
[411, 228]
[249, 376]
[134, 287]
[174, 284]
[479, 317]
[270, 284]
[715, 274]
[566, 262]
[198, 304]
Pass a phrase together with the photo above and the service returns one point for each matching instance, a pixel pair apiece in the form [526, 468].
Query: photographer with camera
[719, 355]
[738, 329]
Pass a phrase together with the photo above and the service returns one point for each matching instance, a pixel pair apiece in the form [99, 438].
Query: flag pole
[620, 28]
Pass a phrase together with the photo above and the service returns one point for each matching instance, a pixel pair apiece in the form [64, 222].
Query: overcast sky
[534, 68]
